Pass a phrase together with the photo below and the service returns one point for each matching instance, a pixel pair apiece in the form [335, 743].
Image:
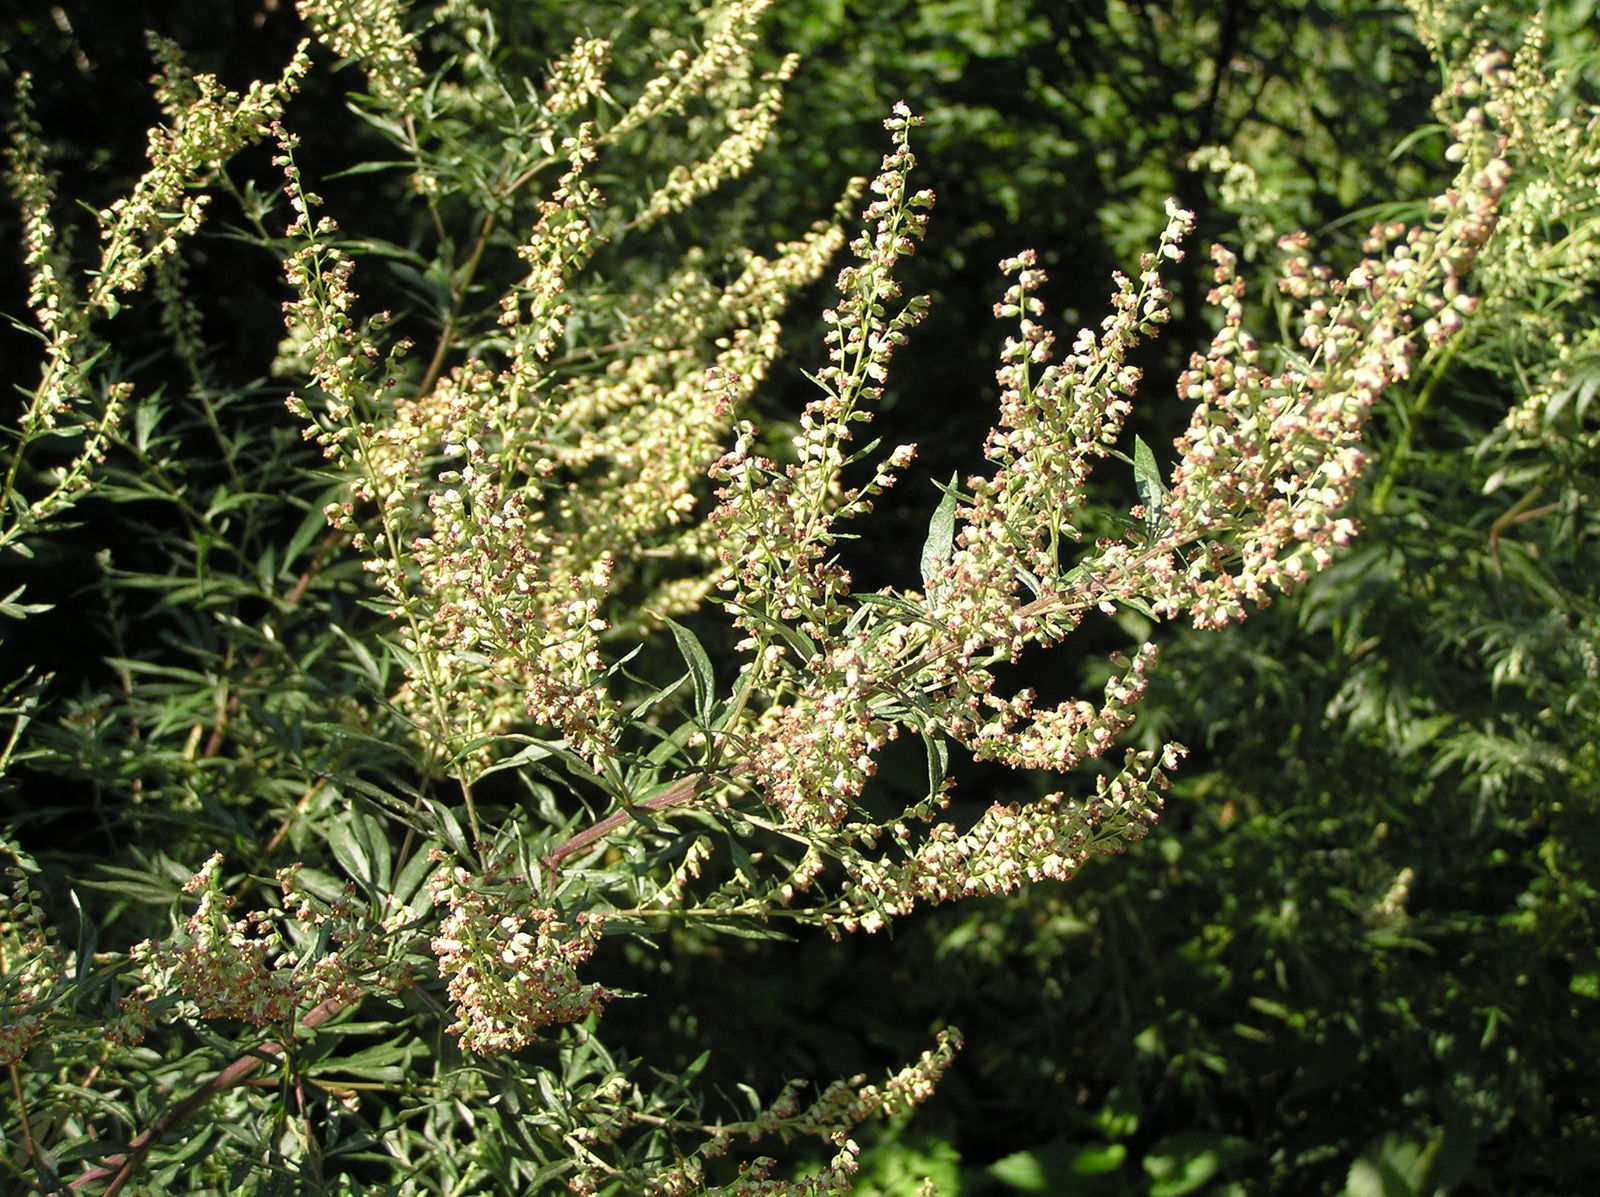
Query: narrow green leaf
[695, 1068]
[134, 883]
[376, 844]
[10, 608]
[670, 745]
[694, 655]
[383, 1062]
[1152, 489]
[938, 760]
[350, 850]
[320, 885]
[525, 755]
[313, 524]
[381, 798]
[743, 861]
[803, 645]
[414, 873]
[744, 930]
[658, 696]
[941, 535]
[448, 828]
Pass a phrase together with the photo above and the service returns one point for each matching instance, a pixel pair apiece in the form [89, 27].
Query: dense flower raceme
[74, 403]
[372, 34]
[33, 965]
[510, 963]
[829, 1118]
[1549, 230]
[268, 967]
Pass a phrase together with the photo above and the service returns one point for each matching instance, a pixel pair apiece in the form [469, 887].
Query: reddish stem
[680, 791]
[120, 1167]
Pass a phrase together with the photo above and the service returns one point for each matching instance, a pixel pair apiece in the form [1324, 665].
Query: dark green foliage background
[1221, 1010]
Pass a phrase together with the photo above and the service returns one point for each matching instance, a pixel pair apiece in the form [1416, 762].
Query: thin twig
[23, 1119]
[680, 791]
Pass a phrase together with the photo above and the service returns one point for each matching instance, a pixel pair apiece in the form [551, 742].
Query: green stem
[1397, 457]
[441, 348]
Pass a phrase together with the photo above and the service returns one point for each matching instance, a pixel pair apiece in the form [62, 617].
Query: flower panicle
[509, 961]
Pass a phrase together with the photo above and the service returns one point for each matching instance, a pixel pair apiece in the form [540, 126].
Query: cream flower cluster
[830, 1118]
[260, 969]
[510, 964]
[490, 507]
[371, 34]
[33, 965]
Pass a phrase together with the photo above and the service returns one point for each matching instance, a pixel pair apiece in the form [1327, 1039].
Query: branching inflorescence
[472, 505]
[577, 467]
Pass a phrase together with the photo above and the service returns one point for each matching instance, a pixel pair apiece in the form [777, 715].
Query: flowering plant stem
[119, 1169]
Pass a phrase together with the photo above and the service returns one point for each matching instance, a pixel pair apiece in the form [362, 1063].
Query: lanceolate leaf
[694, 655]
[941, 536]
[1152, 490]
